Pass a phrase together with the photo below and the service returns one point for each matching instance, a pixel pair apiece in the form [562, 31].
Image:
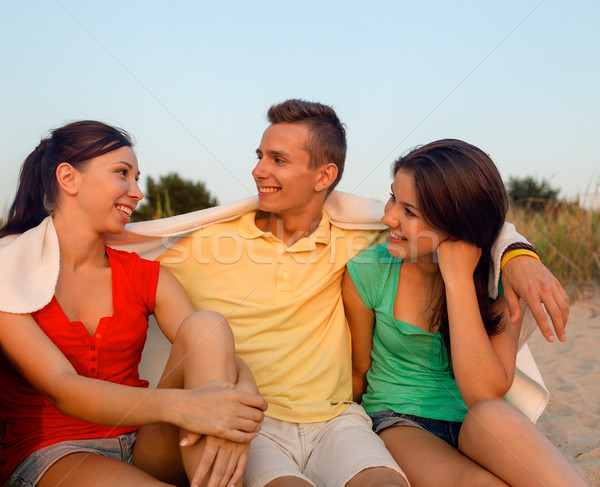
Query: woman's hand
[219, 409]
[226, 461]
[457, 260]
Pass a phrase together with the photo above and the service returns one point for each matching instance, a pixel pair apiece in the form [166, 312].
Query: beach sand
[571, 371]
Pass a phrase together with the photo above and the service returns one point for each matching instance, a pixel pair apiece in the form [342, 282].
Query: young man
[276, 275]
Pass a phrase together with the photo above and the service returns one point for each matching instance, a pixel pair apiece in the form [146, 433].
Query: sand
[571, 371]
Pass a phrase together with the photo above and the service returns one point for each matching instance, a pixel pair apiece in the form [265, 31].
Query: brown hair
[75, 143]
[327, 141]
[460, 192]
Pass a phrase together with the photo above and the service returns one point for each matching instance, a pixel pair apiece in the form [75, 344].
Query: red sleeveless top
[28, 421]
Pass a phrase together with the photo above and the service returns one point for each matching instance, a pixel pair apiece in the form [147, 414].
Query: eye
[122, 172]
[408, 212]
[392, 197]
[278, 160]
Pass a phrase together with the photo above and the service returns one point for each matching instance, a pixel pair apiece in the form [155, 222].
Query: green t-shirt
[410, 373]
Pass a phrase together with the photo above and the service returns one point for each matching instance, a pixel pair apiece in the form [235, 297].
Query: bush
[567, 238]
[530, 193]
[172, 195]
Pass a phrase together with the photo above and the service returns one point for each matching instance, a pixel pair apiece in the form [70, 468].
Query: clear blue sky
[192, 80]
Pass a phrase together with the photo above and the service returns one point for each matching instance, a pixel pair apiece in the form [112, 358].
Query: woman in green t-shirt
[433, 356]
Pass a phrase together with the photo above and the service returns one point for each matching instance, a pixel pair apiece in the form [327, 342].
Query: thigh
[429, 461]
[347, 446]
[93, 470]
[502, 439]
[157, 452]
[276, 456]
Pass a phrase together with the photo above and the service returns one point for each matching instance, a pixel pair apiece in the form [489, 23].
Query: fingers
[563, 301]
[223, 467]
[539, 315]
[514, 308]
[240, 466]
[209, 453]
[190, 439]
[252, 400]
[556, 303]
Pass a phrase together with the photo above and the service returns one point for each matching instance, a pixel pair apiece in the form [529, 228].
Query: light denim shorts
[446, 430]
[31, 470]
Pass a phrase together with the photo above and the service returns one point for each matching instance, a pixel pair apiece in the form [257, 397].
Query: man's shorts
[31, 470]
[325, 454]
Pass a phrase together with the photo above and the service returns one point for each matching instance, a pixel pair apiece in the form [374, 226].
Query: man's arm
[527, 278]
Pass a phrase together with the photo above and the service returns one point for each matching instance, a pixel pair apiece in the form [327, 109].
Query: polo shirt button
[284, 275]
[92, 370]
[98, 335]
[94, 359]
[92, 348]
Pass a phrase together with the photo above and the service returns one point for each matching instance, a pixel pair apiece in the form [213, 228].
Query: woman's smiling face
[410, 236]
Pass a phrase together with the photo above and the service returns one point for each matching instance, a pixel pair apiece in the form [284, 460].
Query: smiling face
[108, 189]
[410, 236]
[286, 183]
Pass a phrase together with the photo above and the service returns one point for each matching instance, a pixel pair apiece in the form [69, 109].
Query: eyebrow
[129, 165]
[273, 153]
[403, 202]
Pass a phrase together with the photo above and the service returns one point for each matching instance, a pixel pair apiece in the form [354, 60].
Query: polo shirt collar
[322, 234]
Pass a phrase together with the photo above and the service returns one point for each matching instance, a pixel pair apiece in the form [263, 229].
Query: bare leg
[377, 477]
[498, 436]
[203, 351]
[94, 470]
[288, 481]
[429, 461]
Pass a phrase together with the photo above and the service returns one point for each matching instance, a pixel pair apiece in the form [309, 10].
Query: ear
[327, 175]
[68, 178]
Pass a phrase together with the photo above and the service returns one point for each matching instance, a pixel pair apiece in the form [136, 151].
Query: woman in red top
[71, 400]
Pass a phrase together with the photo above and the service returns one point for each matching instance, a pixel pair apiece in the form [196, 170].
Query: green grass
[567, 238]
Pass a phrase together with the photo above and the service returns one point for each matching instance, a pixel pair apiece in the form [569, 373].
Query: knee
[493, 412]
[490, 417]
[205, 328]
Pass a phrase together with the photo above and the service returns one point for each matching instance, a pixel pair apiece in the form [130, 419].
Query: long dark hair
[460, 192]
[75, 143]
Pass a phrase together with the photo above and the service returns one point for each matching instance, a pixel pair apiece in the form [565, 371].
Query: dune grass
[567, 238]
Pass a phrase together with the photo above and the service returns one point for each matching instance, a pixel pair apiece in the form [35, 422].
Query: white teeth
[267, 190]
[125, 209]
[399, 236]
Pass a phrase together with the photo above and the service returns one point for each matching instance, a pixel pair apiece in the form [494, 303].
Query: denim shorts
[446, 430]
[31, 470]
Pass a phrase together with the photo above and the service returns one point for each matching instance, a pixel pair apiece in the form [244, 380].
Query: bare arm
[527, 278]
[360, 321]
[483, 366]
[97, 401]
[172, 304]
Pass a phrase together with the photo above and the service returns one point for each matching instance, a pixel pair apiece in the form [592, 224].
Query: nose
[390, 216]
[259, 171]
[134, 191]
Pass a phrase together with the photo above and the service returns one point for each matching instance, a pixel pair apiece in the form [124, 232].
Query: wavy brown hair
[460, 192]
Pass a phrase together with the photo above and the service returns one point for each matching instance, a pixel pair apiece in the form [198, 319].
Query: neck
[79, 245]
[427, 266]
[289, 228]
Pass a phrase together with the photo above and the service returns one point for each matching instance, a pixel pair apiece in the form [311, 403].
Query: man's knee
[378, 477]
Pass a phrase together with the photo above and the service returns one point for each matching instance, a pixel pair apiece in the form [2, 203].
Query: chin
[398, 252]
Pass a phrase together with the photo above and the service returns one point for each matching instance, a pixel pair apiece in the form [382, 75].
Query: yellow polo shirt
[284, 305]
